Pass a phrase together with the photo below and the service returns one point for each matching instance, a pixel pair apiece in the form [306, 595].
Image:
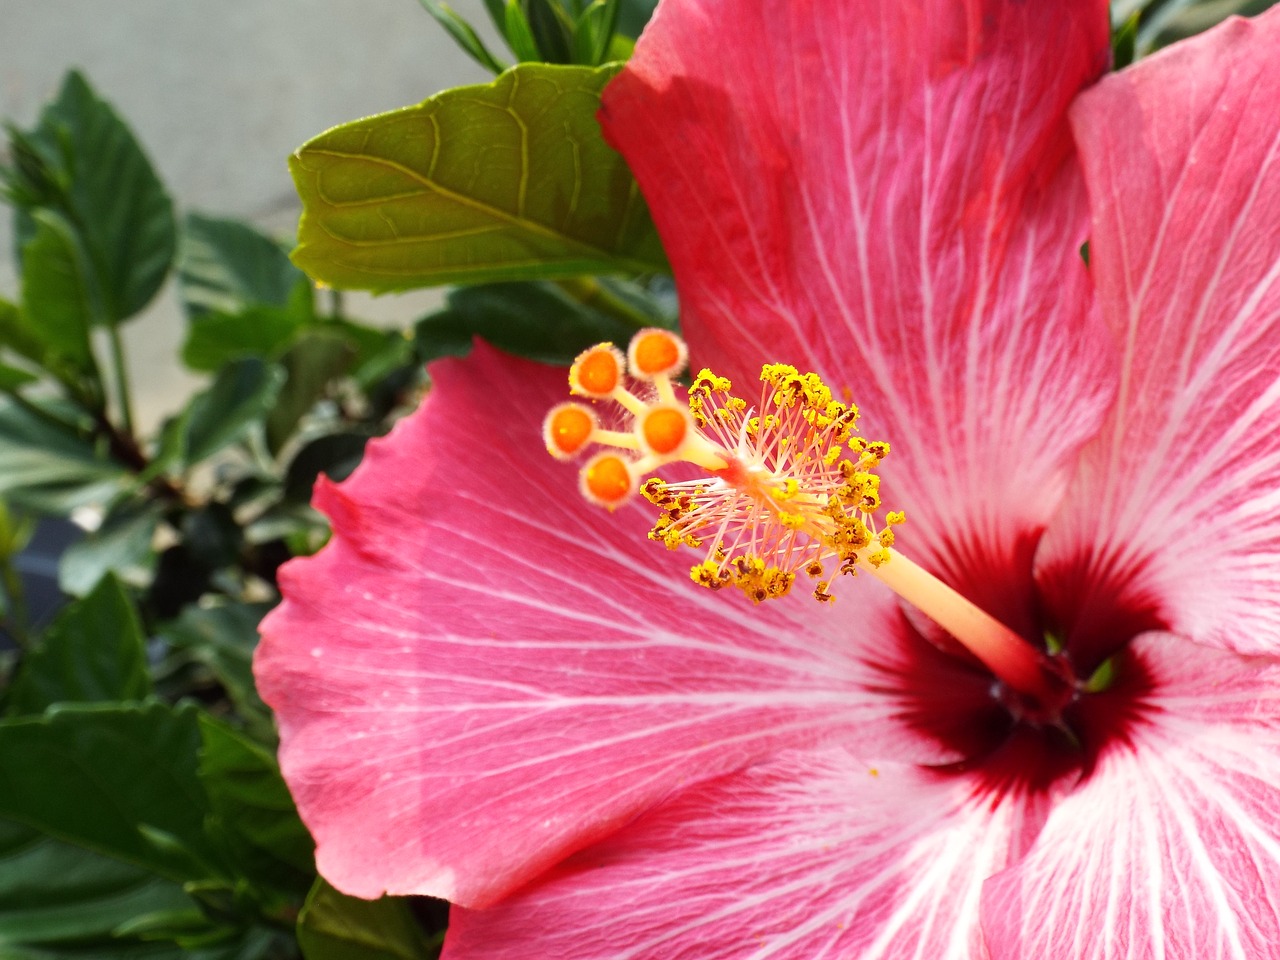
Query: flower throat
[788, 487]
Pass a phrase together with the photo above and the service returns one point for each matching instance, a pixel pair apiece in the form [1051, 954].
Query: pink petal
[886, 193]
[1175, 508]
[482, 673]
[1172, 846]
[813, 855]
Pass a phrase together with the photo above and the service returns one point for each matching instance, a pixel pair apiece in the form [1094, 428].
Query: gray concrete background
[220, 94]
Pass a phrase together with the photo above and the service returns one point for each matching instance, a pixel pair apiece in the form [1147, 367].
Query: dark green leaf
[108, 193]
[535, 320]
[119, 780]
[218, 338]
[507, 181]
[633, 15]
[239, 398]
[92, 652]
[222, 637]
[519, 34]
[253, 811]
[211, 535]
[317, 359]
[60, 297]
[122, 546]
[48, 468]
[226, 266]
[13, 379]
[1124, 39]
[334, 454]
[464, 35]
[57, 900]
[333, 926]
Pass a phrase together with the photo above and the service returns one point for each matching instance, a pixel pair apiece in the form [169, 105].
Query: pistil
[789, 489]
[1006, 654]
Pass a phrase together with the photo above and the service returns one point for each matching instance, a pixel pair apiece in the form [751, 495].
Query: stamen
[788, 489]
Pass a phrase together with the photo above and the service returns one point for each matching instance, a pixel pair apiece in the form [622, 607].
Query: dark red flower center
[1083, 615]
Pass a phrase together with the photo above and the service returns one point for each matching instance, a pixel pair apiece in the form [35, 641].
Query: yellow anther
[567, 429]
[656, 353]
[708, 574]
[894, 517]
[597, 371]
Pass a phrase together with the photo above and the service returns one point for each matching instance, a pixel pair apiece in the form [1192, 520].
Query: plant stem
[121, 376]
[16, 619]
[591, 293]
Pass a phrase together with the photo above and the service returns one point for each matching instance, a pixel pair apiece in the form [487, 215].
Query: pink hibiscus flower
[491, 691]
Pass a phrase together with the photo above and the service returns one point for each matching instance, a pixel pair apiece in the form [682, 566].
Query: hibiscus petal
[812, 855]
[885, 193]
[482, 673]
[1175, 508]
[1171, 848]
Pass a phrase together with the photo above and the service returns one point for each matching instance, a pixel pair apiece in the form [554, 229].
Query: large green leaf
[333, 926]
[507, 181]
[92, 171]
[93, 652]
[58, 900]
[119, 780]
[48, 468]
[226, 266]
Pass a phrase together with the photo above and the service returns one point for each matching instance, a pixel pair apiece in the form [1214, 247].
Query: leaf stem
[121, 376]
[590, 292]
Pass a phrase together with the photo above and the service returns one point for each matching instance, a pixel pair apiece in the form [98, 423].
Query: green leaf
[107, 192]
[92, 652]
[218, 338]
[57, 900]
[226, 266]
[333, 926]
[253, 812]
[119, 780]
[239, 399]
[222, 637]
[60, 299]
[535, 320]
[464, 35]
[49, 469]
[121, 546]
[519, 34]
[317, 359]
[13, 379]
[333, 454]
[507, 181]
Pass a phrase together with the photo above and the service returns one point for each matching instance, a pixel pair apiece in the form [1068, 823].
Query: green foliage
[541, 321]
[80, 176]
[334, 926]
[157, 823]
[92, 653]
[507, 181]
[226, 266]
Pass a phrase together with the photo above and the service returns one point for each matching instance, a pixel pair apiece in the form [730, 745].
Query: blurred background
[219, 95]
